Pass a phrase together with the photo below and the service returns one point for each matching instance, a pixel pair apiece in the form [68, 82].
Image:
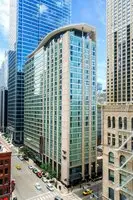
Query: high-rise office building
[4, 72]
[118, 113]
[3, 93]
[99, 87]
[60, 102]
[30, 21]
[3, 108]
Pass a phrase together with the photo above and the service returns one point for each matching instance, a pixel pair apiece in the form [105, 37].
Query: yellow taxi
[87, 192]
[18, 167]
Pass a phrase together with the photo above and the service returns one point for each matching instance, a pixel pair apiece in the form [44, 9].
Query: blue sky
[88, 11]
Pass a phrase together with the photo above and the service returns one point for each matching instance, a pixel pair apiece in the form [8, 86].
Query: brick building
[5, 170]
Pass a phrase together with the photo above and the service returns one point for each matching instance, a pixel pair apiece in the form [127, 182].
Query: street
[25, 183]
[96, 187]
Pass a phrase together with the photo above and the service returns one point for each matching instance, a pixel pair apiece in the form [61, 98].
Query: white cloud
[43, 8]
[4, 16]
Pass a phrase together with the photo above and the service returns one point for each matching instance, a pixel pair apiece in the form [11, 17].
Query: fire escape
[126, 166]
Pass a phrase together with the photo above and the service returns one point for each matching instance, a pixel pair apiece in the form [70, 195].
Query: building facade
[118, 113]
[26, 32]
[60, 102]
[99, 87]
[99, 124]
[3, 108]
[5, 171]
[4, 72]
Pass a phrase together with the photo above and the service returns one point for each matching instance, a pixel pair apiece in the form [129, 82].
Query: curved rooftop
[81, 27]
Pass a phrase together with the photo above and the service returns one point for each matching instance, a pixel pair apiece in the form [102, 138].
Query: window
[1, 162]
[120, 140]
[111, 157]
[113, 139]
[111, 175]
[1, 172]
[125, 138]
[109, 139]
[123, 197]
[125, 123]
[1, 191]
[122, 160]
[113, 122]
[1, 181]
[111, 193]
[109, 122]
[6, 162]
[6, 180]
[120, 123]
[123, 179]
[6, 170]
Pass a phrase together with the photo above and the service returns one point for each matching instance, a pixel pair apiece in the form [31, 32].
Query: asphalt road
[25, 183]
[25, 180]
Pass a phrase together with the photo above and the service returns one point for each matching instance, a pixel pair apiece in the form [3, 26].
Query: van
[58, 198]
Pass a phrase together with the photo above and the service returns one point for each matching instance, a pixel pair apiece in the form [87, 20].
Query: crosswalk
[51, 195]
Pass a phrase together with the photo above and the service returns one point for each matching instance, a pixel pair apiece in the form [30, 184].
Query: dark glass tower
[30, 22]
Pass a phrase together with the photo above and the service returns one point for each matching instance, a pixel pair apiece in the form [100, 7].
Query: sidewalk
[77, 188]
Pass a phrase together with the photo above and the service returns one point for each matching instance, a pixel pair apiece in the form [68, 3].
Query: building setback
[26, 31]
[5, 170]
[118, 113]
[60, 102]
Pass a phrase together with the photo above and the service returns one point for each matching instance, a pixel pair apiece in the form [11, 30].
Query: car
[58, 198]
[30, 167]
[44, 180]
[53, 180]
[18, 167]
[50, 187]
[39, 174]
[35, 170]
[14, 198]
[87, 192]
[38, 186]
[26, 158]
[21, 158]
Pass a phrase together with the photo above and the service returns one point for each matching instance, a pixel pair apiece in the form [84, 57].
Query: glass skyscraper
[60, 102]
[30, 21]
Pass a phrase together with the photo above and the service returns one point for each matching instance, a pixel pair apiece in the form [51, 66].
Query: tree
[26, 152]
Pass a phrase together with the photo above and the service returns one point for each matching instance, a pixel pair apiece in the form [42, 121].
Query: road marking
[50, 195]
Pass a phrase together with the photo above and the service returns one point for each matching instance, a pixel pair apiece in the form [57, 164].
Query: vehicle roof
[49, 184]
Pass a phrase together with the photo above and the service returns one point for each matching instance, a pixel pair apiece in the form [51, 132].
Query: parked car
[50, 187]
[30, 167]
[38, 186]
[21, 158]
[35, 170]
[44, 180]
[18, 167]
[53, 180]
[58, 198]
[87, 192]
[39, 174]
[14, 198]
[26, 158]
